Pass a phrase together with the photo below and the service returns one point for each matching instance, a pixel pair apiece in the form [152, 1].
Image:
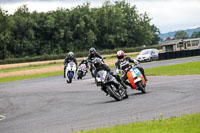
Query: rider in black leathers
[93, 54]
[84, 61]
[69, 58]
[124, 62]
[99, 65]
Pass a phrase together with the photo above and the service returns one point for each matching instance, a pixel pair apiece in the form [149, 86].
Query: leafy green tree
[195, 35]
[114, 25]
[181, 35]
[4, 34]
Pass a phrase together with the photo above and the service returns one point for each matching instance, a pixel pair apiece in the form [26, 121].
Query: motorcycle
[82, 70]
[93, 68]
[110, 85]
[136, 78]
[70, 72]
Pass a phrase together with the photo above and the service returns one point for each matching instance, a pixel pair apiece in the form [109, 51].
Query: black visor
[120, 57]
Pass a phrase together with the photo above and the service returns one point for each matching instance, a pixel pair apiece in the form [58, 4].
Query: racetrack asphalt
[50, 105]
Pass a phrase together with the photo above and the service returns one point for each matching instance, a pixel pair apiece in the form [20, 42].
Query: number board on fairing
[137, 72]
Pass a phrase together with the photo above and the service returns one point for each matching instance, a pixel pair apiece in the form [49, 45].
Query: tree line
[183, 35]
[113, 25]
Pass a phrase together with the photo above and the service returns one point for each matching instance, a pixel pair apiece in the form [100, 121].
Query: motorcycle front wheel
[80, 75]
[140, 87]
[114, 92]
[70, 79]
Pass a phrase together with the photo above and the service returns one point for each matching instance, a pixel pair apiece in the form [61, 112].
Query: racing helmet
[70, 54]
[120, 55]
[97, 62]
[92, 50]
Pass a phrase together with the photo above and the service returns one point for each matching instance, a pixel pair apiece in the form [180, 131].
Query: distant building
[182, 44]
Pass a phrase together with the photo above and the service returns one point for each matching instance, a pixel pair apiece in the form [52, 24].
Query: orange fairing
[130, 78]
[142, 77]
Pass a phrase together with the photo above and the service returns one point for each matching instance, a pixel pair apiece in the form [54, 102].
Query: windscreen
[71, 64]
[143, 52]
[102, 74]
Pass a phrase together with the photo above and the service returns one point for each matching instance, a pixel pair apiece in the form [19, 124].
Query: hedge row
[77, 54]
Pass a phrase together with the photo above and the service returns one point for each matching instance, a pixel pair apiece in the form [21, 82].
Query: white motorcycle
[70, 72]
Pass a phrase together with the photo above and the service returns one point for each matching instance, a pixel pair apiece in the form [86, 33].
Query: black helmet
[92, 50]
[97, 62]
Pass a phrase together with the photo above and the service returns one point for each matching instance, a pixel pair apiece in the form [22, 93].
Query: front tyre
[141, 87]
[79, 75]
[70, 78]
[114, 92]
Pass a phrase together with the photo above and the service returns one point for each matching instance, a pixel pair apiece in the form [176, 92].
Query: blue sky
[167, 15]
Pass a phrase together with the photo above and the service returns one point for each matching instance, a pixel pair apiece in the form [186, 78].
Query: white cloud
[172, 15]
[44, 6]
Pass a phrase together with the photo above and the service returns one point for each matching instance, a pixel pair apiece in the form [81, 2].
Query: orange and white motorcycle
[135, 77]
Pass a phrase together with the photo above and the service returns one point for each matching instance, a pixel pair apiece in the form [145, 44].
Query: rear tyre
[114, 92]
[141, 87]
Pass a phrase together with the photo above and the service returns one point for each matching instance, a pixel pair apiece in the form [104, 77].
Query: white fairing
[71, 66]
[82, 68]
[137, 80]
[134, 73]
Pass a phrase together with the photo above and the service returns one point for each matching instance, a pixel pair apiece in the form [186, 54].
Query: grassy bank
[191, 68]
[183, 124]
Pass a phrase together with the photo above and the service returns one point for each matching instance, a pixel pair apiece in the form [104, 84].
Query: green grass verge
[183, 124]
[14, 78]
[191, 68]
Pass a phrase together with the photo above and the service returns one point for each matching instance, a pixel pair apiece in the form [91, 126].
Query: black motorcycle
[110, 85]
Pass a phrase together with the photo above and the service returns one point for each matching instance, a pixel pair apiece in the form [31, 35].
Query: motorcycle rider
[98, 63]
[84, 61]
[93, 54]
[69, 58]
[124, 62]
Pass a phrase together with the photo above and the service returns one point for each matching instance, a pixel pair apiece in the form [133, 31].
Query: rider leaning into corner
[123, 62]
[69, 58]
[99, 65]
[93, 54]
